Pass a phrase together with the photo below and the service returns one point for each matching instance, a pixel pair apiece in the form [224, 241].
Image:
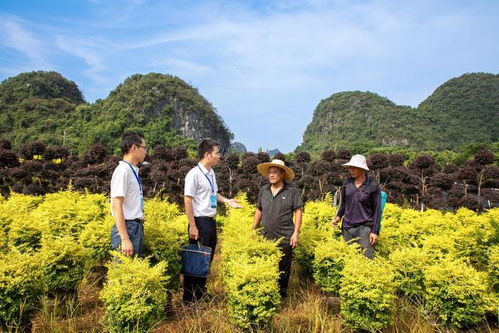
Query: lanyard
[209, 181]
[136, 176]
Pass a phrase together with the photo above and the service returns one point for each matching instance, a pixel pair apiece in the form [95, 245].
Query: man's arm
[341, 211]
[189, 211]
[296, 234]
[257, 218]
[119, 220]
[231, 202]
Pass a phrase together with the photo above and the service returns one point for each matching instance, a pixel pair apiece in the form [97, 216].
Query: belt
[139, 221]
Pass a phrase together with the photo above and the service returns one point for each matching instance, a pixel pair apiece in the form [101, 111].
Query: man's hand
[335, 221]
[294, 240]
[233, 203]
[373, 238]
[193, 232]
[127, 247]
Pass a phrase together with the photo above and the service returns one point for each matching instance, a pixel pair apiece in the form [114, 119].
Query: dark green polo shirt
[277, 212]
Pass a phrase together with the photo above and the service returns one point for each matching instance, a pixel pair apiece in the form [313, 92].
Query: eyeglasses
[145, 148]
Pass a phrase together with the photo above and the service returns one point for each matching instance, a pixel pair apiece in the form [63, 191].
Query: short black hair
[129, 139]
[206, 146]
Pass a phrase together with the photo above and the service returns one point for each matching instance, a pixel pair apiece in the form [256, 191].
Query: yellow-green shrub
[165, 230]
[493, 268]
[250, 266]
[25, 234]
[63, 262]
[439, 246]
[329, 261]
[67, 212]
[20, 288]
[15, 205]
[315, 229]
[158, 210]
[252, 290]
[474, 238]
[96, 239]
[163, 239]
[408, 264]
[3, 241]
[134, 294]
[367, 293]
[455, 293]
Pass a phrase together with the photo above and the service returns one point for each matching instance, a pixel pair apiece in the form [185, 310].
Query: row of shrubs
[419, 181]
[445, 263]
[47, 244]
[250, 267]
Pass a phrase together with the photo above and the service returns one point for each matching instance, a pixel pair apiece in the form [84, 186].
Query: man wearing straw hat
[360, 206]
[277, 202]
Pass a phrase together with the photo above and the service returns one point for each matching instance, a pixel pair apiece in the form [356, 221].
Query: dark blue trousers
[195, 287]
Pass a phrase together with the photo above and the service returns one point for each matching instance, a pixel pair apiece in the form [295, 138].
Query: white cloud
[17, 37]
[274, 60]
[87, 51]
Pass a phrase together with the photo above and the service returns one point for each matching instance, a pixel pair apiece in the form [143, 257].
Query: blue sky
[264, 65]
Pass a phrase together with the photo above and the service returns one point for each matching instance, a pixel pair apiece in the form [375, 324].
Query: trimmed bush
[134, 294]
[367, 294]
[17, 204]
[165, 231]
[250, 266]
[315, 229]
[20, 288]
[493, 268]
[408, 264]
[25, 234]
[329, 261]
[96, 239]
[63, 262]
[67, 212]
[455, 293]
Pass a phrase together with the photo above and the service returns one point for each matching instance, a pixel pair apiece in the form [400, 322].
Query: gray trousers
[361, 236]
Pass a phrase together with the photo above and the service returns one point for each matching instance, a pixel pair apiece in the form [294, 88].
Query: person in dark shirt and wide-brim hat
[277, 202]
[360, 206]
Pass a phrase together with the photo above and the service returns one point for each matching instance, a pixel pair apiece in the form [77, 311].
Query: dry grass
[306, 309]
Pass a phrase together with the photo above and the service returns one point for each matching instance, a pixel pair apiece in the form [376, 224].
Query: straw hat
[263, 168]
[358, 161]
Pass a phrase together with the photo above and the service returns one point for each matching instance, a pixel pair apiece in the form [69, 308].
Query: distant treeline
[410, 181]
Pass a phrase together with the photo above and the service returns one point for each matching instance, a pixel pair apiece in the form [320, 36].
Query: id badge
[213, 201]
[142, 204]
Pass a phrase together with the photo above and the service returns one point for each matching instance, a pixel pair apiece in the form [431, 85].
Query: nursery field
[433, 272]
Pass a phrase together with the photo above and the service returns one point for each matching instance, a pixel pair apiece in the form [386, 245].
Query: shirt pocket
[363, 196]
[287, 203]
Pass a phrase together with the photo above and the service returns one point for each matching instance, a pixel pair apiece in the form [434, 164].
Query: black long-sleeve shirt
[361, 206]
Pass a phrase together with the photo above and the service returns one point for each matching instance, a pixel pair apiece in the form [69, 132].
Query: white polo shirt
[125, 184]
[198, 187]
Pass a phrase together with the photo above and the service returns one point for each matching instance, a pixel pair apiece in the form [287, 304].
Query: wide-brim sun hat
[358, 161]
[263, 169]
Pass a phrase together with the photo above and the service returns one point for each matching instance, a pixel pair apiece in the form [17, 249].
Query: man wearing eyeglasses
[127, 198]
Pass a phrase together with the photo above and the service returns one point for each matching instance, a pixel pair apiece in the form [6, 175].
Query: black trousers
[195, 287]
[285, 267]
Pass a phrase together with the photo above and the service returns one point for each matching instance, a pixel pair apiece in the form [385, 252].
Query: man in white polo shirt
[127, 199]
[200, 198]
